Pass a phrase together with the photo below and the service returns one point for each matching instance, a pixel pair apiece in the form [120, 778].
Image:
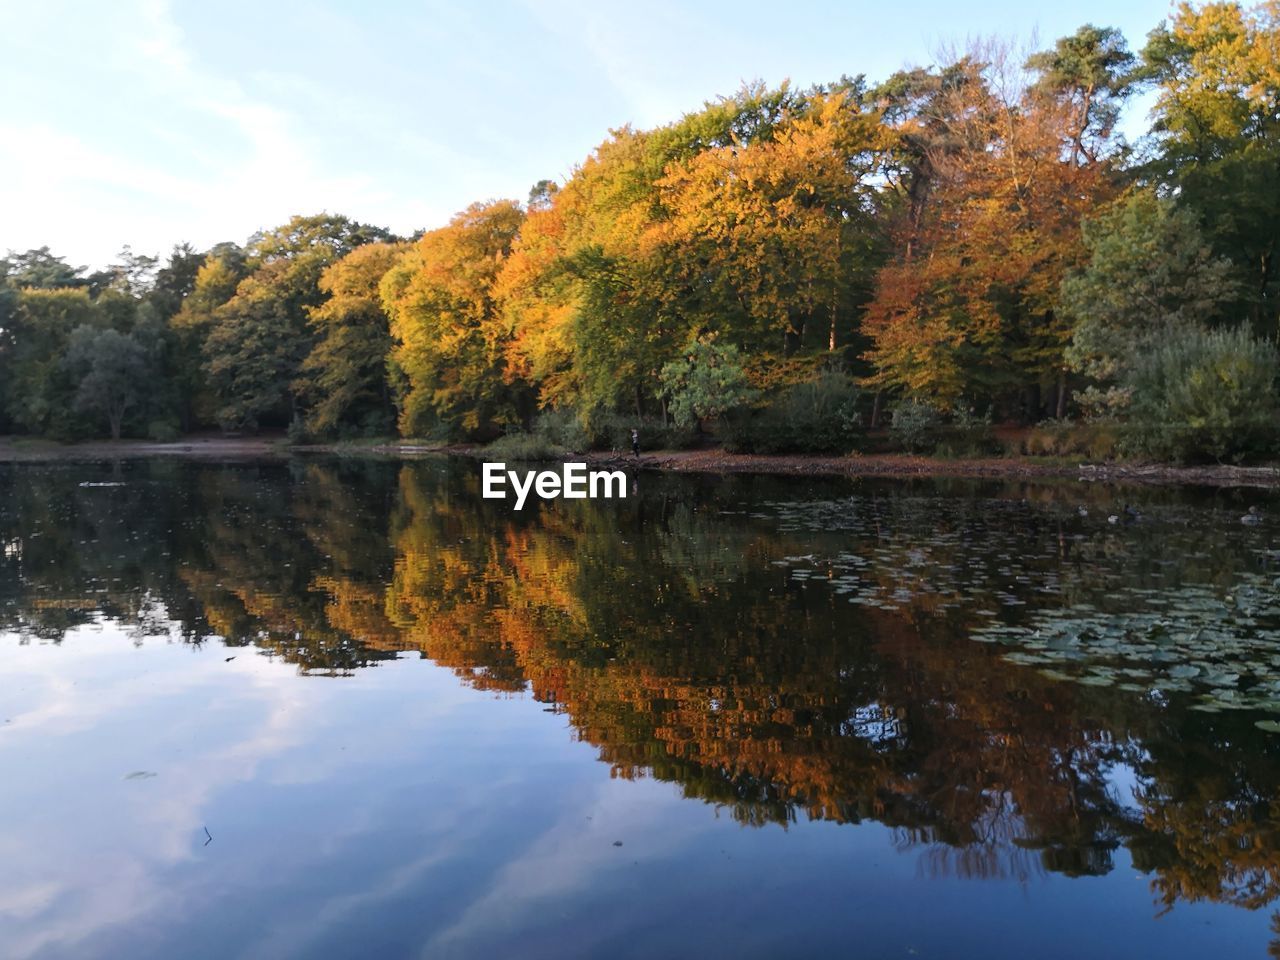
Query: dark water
[349, 709]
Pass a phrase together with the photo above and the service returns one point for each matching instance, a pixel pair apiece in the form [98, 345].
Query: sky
[149, 122]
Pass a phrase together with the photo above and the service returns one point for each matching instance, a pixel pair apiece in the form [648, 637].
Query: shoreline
[702, 461]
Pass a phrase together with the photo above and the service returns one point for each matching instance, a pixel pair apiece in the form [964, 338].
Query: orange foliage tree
[991, 189]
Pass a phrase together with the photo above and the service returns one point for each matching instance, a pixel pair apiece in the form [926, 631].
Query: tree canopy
[970, 235]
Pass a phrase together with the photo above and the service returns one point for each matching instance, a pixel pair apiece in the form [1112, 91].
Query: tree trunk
[875, 410]
[1268, 258]
[1031, 403]
[1062, 394]
[835, 300]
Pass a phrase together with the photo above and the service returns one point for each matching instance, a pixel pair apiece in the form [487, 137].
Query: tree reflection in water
[674, 634]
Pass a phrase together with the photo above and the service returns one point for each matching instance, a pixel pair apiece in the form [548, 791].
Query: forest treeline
[962, 244]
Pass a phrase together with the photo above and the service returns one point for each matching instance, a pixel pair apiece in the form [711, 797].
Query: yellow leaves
[917, 330]
[445, 322]
[983, 251]
[762, 222]
[710, 223]
[359, 273]
[1226, 69]
[768, 372]
[538, 305]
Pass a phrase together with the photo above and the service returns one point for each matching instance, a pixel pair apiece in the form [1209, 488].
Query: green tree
[8, 315]
[1092, 70]
[448, 332]
[1216, 71]
[255, 348]
[38, 391]
[176, 280]
[705, 382]
[259, 338]
[41, 269]
[110, 371]
[541, 195]
[132, 275]
[345, 377]
[1150, 275]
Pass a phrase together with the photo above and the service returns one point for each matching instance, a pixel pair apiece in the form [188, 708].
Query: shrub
[562, 428]
[967, 435]
[1101, 441]
[1094, 440]
[297, 432]
[1047, 439]
[917, 426]
[163, 431]
[817, 416]
[1203, 394]
[523, 446]
[914, 424]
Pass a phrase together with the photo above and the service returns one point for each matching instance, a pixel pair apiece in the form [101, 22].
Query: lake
[346, 707]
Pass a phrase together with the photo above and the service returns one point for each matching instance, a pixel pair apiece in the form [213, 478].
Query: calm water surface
[349, 709]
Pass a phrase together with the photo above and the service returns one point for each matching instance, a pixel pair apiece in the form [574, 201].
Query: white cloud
[234, 164]
[134, 829]
[145, 123]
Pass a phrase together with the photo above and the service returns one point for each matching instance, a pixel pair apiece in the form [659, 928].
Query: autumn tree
[579, 293]
[344, 377]
[214, 283]
[260, 337]
[768, 241]
[748, 218]
[537, 297]
[1216, 72]
[989, 220]
[447, 331]
[620, 334]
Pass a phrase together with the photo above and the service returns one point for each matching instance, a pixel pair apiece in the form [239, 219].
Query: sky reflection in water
[417, 725]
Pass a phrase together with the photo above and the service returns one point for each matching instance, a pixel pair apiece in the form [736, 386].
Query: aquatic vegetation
[1224, 650]
[1106, 606]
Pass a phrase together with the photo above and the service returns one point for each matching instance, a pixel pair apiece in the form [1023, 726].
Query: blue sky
[150, 122]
